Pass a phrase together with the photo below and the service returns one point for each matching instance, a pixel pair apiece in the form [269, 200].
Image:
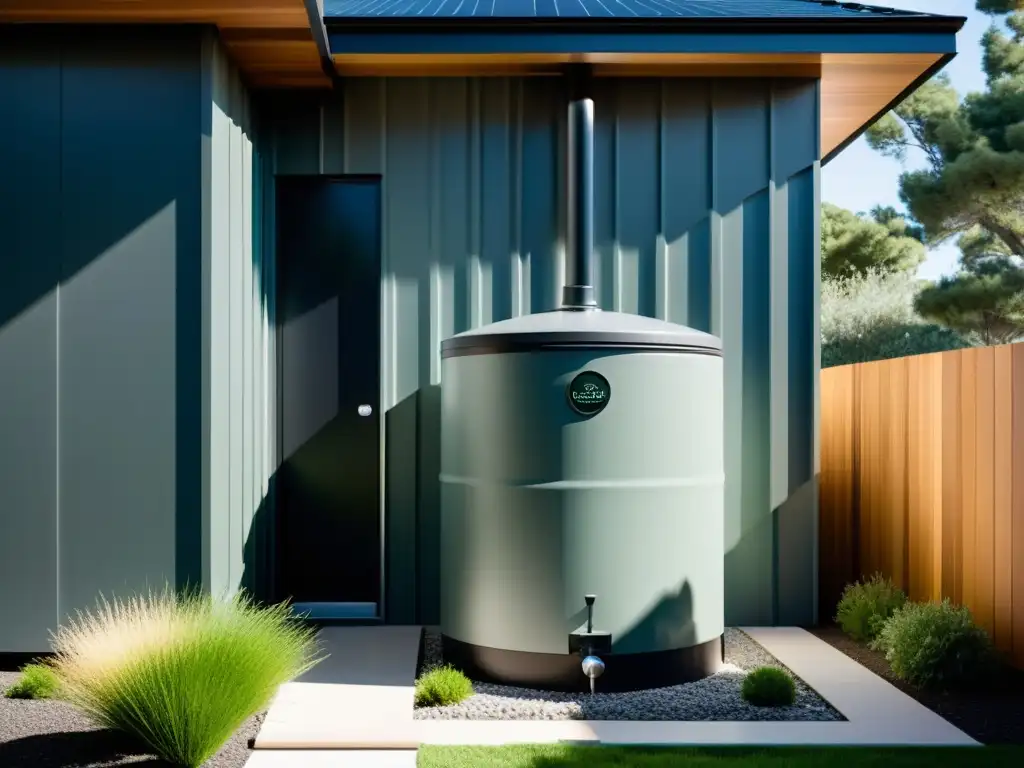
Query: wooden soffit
[271, 41]
[855, 87]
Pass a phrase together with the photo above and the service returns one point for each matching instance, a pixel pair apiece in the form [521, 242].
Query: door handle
[364, 410]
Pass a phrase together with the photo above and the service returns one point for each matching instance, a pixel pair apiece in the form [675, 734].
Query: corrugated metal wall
[239, 371]
[133, 323]
[706, 211]
[100, 390]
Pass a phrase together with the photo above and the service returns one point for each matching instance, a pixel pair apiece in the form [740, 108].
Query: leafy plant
[38, 681]
[442, 687]
[936, 645]
[871, 316]
[971, 182]
[853, 244]
[768, 687]
[180, 672]
[865, 606]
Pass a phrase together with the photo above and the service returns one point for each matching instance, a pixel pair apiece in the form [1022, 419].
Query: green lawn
[557, 756]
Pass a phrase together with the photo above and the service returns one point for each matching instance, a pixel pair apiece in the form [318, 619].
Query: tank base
[562, 672]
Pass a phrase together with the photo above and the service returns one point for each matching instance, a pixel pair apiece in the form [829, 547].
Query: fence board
[922, 478]
[1003, 499]
[968, 472]
[952, 477]
[837, 461]
[984, 489]
[1017, 517]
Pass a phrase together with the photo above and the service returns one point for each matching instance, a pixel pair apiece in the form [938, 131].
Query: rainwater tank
[582, 454]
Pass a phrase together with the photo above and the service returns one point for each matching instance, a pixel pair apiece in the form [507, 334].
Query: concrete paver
[357, 698]
[324, 758]
[361, 701]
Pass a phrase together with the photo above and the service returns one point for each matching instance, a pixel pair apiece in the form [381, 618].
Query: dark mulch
[992, 716]
[52, 734]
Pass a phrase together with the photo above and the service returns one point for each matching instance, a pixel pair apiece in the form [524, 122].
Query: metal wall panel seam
[518, 286]
[714, 220]
[616, 275]
[58, 299]
[662, 275]
[475, 212]
[320, 147]
[776, 343]
[387, 346]
[436, 284]
[779, 299]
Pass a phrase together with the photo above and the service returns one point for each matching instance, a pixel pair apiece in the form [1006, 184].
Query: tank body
[542, 505]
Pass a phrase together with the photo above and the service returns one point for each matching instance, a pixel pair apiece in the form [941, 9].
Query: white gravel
[51, 734]
[714, 698]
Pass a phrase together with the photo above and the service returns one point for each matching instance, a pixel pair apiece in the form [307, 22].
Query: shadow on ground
[78, 749]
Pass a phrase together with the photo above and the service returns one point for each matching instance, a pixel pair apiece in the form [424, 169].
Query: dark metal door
[329, 546]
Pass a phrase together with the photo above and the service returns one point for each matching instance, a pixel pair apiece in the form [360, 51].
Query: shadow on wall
[473, 250]
[258, 564]
[101, 198]
[103, 213]
[474, 216]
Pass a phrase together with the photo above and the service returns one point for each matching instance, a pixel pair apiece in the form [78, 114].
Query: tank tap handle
[589, 599]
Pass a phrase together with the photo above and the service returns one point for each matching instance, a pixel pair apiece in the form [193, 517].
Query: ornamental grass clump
[864, 607]
[180, 673]
[442, 687]
[937, 645]
[38, 680]
[768, 687]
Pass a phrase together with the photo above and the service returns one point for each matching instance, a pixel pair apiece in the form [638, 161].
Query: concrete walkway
[355, 709]
[331, 758]
[344, 711]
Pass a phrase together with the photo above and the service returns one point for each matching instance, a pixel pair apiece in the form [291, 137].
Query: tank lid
[562, 328]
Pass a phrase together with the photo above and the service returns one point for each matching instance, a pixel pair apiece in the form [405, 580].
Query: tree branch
[1013, 240]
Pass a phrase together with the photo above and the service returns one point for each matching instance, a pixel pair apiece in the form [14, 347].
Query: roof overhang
[865, 65]
[275, 43]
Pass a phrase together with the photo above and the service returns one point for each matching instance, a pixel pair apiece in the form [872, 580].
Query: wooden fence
[922, 478]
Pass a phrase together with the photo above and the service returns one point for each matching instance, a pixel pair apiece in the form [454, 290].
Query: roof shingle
[548, 9]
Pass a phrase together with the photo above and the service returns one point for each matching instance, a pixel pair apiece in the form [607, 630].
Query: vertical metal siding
[99, 328]
[238, 255]
[706, 214]
[30, 246]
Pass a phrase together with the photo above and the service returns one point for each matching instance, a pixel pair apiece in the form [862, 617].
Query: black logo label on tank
[588, 393]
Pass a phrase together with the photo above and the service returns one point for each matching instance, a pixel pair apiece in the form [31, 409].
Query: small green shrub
[769, 687]
[864, 607]
[37, 681]
[442, 687]
[180, 672]
[936, 645]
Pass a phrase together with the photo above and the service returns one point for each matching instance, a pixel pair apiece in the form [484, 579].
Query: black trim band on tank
[563, 672]
[503, 347]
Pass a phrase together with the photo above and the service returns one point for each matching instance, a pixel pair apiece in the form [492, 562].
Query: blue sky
[860, 178]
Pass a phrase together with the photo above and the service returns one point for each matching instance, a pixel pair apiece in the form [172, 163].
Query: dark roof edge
[923, 78]
[868, 24]
[315, 14]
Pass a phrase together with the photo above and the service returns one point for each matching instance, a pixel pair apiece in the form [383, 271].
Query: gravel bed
[714, 698]
[51, 734]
